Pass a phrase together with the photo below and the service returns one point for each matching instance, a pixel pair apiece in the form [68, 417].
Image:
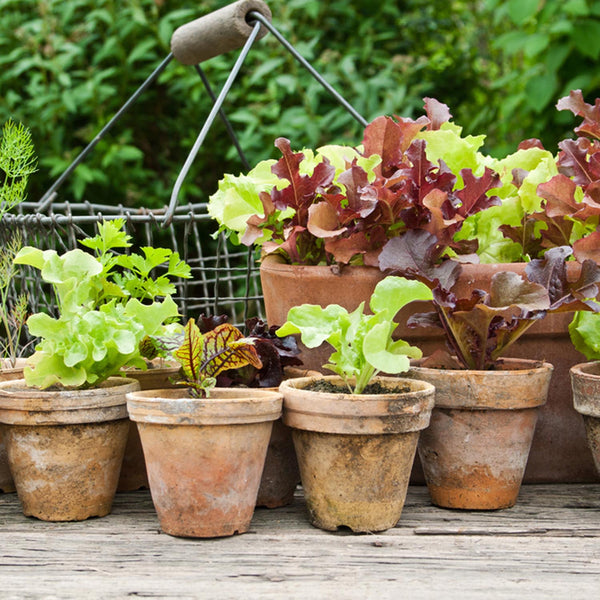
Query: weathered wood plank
[547, 546]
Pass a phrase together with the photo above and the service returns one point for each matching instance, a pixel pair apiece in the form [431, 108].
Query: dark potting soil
[373, 388]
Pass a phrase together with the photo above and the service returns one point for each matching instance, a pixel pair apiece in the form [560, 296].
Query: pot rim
[503, 389]
[34, 407]
[175, 407]
[345, 413]
[583, 369]
[541, 366]
[24, 397]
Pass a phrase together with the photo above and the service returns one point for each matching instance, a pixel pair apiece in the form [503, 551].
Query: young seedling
[362, 343]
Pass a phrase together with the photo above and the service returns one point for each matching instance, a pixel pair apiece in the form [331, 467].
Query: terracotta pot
[585, 379]
[559, 452]
[475, 449]
[356, 452]
[204, 456]
[65, 448]
[281, 474]
[8, 373]
[133, 472]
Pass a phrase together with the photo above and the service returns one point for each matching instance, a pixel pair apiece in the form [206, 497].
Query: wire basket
[225, 279]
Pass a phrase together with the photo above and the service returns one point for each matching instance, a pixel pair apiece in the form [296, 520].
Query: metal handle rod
[256, 16]
[49, 196]
[208, 123]
[224, 119]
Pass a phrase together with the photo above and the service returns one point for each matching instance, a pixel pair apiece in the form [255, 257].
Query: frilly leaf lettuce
[362, 343]
[81, 349]
[529, 167]
[100, 326]
[238, 197]
[457, 152]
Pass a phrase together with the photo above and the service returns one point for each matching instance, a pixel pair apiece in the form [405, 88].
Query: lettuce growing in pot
[481, 327]
[91, 340]
[341, 205]
[362, 343]
[107, 304]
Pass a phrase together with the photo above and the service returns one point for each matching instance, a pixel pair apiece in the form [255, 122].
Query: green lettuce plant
[362, 343]
[107, 304]
[584, 330]
[91, 339]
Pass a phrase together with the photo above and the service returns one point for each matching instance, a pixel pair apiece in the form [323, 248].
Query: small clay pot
[281, 474]
[133, 471]
[204, 457]
[356, 451]
[65, 448]
[585, 380]
[475, 449]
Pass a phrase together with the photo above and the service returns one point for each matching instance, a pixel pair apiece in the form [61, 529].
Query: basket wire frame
[225, 278]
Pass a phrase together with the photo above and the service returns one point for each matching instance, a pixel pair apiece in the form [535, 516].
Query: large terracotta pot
[204, 457]
[356, 451]
[559, 452]
[65, 448]
[475, 449]
[585, 379]
[8, 373]
[133, 471]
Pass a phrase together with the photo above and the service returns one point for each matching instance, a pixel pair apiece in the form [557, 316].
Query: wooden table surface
[548, 546]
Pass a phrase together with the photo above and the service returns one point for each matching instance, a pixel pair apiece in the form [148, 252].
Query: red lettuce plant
[480, 328]
[571, 200]
[386, 188]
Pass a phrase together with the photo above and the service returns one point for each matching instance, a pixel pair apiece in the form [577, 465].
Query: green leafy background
[66, 67]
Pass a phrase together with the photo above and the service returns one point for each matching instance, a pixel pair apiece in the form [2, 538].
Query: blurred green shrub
[66, 67]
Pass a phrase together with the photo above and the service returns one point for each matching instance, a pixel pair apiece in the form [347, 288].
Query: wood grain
[547, 546]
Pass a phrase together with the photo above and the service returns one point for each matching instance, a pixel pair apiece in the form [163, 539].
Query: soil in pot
[356, 452]
[65, 448]
[475, 449]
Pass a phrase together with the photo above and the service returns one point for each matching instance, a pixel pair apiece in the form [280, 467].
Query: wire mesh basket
[225, 279]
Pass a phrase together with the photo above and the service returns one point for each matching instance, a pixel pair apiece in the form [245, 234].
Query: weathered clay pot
[133, 472]
[585, 379]
[475, 449]
[356, 452]
[559, 452]
[204, 456]
[65, 448]
[8, 373]
[281, 474]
